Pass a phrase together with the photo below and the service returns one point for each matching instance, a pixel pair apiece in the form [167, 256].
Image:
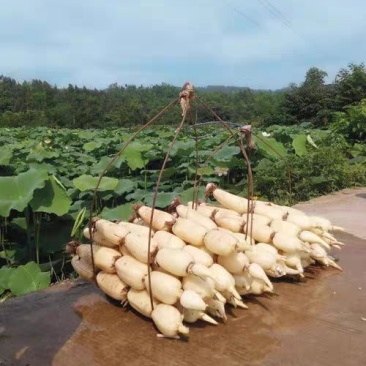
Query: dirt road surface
[345, 208]
[319, 321]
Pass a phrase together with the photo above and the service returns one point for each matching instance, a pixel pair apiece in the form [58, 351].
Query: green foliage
[133, 155]
[5, 273]
[42, 195]
[299, 144]
[188, 194]
[351, 123]
[318, 172]
[79, 220]
[6, 155]
[17, 191]
[52, 198]
[18, 119]
[312, 100]
[23, 279]
[226, 153]
[351, 85]
[121, 212]
[89, 183]
[270, 147]
[163, 199]
[36, 103]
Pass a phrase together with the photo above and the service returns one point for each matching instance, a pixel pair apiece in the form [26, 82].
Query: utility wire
[243, 14]
[273, 10]
[276, 13]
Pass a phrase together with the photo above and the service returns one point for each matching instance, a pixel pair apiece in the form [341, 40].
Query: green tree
[351, 123]
[350, 85]
[9, 94]
[311, 100]
[29, 118]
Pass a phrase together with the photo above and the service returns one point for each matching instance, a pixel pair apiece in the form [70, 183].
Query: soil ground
[345, 208]
[318, 321]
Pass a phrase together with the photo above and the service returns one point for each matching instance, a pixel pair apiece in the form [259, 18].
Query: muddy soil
[318, 321]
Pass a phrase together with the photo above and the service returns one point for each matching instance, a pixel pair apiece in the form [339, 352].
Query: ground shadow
[35, 326]
[361, 195]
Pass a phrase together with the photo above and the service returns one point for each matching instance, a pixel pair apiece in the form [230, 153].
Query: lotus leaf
[299, 144]
[17, 191]
[88, 182]
[28, 278]
[52, 198]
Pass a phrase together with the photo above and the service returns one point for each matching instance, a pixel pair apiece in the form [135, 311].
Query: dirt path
[315, 322]
[345, 208]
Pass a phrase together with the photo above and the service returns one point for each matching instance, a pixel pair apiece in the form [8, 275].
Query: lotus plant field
[47, 179]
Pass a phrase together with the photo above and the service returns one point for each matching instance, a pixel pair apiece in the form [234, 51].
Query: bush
[351, 123]
[29, 118]
[320, 172]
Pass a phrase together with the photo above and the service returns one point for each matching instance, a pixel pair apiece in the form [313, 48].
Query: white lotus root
[198, 261]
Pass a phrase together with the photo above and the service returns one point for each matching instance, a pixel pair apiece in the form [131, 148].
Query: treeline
[37, 103]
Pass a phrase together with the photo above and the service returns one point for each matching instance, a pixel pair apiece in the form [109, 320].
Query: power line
[241, 13]
[273, 10]
[276, 13]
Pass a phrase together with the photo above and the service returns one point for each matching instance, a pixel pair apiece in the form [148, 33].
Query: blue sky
[256, 43]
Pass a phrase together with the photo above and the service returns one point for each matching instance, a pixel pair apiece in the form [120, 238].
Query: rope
[185, 97]
[91, 226]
